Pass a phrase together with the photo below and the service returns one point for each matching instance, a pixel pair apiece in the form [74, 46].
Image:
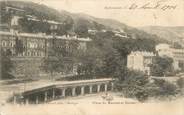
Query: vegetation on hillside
[162, 66]
[106, 55]
[173, 34]
[136, 85]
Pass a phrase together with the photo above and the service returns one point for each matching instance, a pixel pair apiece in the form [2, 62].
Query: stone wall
[28, 68]
[33, 68]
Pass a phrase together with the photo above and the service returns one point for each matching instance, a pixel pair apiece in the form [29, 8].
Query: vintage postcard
[91, 57]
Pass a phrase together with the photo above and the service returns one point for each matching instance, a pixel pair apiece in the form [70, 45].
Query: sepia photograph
[90, 57]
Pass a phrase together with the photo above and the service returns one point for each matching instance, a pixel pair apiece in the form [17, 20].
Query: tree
[68, 25]
[180, 82]
[91, 62]
[177, 45]
[32, 26]
[82, 28]
[133, 84]
[165, 88]
[101, 59]
[112, 62]
[52, 64]
[6, 65]
[162, 66]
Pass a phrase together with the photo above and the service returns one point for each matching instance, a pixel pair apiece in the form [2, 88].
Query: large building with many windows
[27, 50]
[140, 60]
[176, 54]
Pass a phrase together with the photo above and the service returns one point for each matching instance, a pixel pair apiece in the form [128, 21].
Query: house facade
[176, 54]
[27, 50]
[140, 60]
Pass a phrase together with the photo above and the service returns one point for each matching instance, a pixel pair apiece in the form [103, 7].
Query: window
[28, 45]
[13, 52]
[33, 53]
[28, 53]
[35, 45]
[43, 45]
[24, 54]
[37, 54]
[11, 44]
[4, 43]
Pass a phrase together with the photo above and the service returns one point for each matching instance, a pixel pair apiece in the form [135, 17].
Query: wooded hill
[106, 53]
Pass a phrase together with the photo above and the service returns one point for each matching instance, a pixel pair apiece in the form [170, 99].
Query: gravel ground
[95, 105]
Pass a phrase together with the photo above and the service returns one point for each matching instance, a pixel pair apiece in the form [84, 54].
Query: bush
[180, 82]
[134, 85]
[142, 95]
[162, 66]
[165, 88]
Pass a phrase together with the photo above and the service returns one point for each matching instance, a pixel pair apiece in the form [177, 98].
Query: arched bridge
[64, 89]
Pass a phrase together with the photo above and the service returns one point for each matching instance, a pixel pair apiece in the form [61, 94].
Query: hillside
[111, 41]
[76, 20]
[172, 34]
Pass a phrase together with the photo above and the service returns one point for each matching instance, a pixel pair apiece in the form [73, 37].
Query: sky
[120, 10]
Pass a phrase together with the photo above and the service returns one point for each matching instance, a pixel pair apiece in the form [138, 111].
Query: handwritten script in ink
[159, 5]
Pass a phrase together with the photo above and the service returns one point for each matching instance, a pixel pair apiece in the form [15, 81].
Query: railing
[57, 90]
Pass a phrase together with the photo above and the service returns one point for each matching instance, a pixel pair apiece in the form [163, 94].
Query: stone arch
[34, 53]
[68, 92]
[102, 87]
[4, 43]
[11, 44]
[78, 90]
[49, 94]
[28, 53]
[40, 97]
[109, 86]
[32, 98]
[94, 89]
[87, 89]
[58, 92]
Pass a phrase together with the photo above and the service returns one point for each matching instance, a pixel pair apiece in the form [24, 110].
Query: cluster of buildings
[117, 33]
[16, 14]
[121, 34]
[37, 46]
[176, 54]
[141, 60]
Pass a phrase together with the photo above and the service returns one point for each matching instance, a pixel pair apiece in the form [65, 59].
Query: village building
[92, 31]
[176, 54]
[140, 61]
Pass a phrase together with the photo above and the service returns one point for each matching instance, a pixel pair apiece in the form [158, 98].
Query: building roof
[143, 53]
[162, 46]
[14, 8]
[46, 36]
[53, 22]
[167, 46]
